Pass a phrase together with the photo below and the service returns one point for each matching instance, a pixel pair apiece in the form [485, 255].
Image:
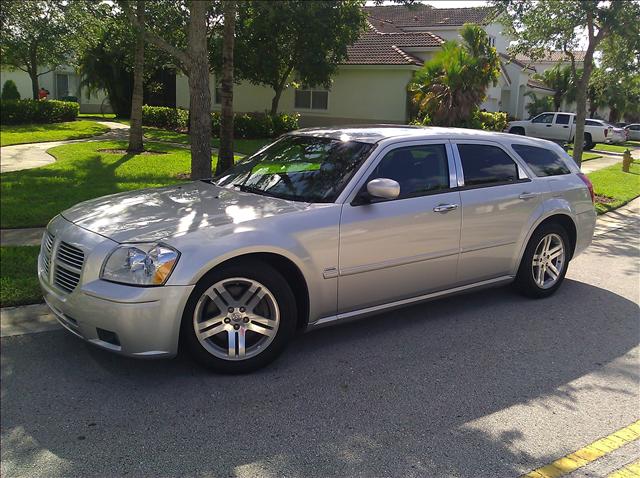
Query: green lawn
[586, 156]
[632, 144]
[30, 198]
[619, 186]
[98, 116]
[18, 281]
[242, 146]
[36, 133]
[611, 148]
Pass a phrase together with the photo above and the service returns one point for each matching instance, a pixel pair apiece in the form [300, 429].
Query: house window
[312, 99]
[62, 85]
[492, 40]
[217, 94]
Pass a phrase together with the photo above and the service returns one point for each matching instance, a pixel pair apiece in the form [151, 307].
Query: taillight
[606, 132]
[589, 185]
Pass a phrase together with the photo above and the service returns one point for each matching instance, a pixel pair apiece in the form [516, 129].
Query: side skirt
[361, 313]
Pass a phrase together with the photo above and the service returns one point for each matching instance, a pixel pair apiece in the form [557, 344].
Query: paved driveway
[486, 384]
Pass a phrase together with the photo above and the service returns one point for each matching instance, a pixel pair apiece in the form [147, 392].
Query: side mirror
[383, 188]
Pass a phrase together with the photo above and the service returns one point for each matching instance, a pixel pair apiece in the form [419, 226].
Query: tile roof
[374, 47]
[538, 84]
[552, 56]
[515, 61]
[422, 15]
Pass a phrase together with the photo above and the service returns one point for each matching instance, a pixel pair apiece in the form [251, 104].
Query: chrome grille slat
[67, 267]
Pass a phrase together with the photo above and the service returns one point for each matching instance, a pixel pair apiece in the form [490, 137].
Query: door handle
[445, 207]
[548, 126]
[527, 195]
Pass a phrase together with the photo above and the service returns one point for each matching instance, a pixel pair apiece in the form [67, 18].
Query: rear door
[498, 203]
[561, 127]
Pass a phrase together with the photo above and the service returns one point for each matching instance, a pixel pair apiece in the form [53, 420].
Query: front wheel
[544, 263]
[239, 318]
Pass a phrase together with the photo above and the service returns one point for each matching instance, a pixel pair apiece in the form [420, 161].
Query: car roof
[378, 132]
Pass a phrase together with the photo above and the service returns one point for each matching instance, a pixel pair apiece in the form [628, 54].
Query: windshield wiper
[252, 189]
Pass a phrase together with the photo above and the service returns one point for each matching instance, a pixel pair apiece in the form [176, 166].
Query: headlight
[140, 264]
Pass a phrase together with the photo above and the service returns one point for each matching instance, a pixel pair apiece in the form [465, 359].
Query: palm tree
[450, 87]
[560, 80]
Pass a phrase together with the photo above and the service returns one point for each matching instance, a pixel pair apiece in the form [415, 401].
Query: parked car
[615, 136]
[621, 124]
[560, 127]
[634, 131]
[322, 226]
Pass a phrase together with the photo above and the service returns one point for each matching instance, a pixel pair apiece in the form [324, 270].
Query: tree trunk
[199, 94]
[581, 105]
[135, 132]
[278, 91]
[35, 87]
[225, 154]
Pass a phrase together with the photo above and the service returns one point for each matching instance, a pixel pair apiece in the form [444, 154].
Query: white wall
[357, 94]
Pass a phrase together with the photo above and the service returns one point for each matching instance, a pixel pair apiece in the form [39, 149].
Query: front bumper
[132, 321]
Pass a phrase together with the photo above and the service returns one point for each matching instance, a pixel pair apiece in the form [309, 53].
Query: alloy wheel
[548, 261]
[236, 318]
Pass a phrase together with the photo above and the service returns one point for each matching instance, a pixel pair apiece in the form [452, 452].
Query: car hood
[157, 214]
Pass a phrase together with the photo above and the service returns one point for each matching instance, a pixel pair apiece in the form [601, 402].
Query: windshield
[299, 168]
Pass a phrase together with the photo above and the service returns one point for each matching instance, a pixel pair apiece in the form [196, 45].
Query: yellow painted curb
[632, 470]
[593, 451]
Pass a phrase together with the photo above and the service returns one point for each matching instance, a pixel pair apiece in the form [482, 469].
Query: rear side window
[542, 161]
[562, 119]
[592, 123]
[486, 165]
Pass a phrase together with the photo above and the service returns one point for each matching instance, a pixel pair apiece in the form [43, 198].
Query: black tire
[517, 130]
[286, 303]
[525, 282]
[588, 142]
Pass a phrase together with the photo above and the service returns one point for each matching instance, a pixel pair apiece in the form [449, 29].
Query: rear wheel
[588, 142]
[544, 263]
[239, 318]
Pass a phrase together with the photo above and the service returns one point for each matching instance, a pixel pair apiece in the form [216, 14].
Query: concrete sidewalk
[34, 155]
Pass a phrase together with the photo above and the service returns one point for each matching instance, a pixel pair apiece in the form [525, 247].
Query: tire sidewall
[524, 279]
[284, 297]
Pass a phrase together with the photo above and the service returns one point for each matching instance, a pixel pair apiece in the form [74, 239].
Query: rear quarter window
[542, 161]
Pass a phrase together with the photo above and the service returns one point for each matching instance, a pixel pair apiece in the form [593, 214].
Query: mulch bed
[604, 199]
[124, 151]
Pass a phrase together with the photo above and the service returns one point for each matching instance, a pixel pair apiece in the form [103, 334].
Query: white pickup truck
[560, 127]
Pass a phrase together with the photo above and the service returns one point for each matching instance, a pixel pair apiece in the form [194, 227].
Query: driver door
[394, 249]
[542, 125]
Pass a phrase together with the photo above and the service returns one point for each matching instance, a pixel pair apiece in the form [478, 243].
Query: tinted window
[419, 169]
[300, 168]
[543, 162]
[543, 118]
[592, 123]
[563, 119]
[483, 164]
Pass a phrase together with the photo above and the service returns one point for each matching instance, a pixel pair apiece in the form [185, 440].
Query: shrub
[257, 125]
[10, 91]
[34, 111]
[69, 98]
[163, 117]
[491, 121]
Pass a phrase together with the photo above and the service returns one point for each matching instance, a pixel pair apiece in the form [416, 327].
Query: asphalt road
[486, 384]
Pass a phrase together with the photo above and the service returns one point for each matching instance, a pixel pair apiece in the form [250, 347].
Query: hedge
[257, 125]
[10, 91]
[245, 125]
[35, 111]
[479, 120]
[166, 118]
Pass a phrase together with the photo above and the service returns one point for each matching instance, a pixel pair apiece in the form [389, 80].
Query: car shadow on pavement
[391, 395]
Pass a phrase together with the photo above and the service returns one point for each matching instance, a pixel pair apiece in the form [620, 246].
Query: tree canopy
[37, 36]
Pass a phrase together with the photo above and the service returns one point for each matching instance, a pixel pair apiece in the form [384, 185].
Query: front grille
[70, 255]
[65, 279]
[66, 261]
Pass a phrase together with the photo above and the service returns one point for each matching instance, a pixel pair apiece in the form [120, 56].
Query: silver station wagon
[322, 226]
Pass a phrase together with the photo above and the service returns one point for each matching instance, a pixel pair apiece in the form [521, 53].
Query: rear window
[542, 161]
